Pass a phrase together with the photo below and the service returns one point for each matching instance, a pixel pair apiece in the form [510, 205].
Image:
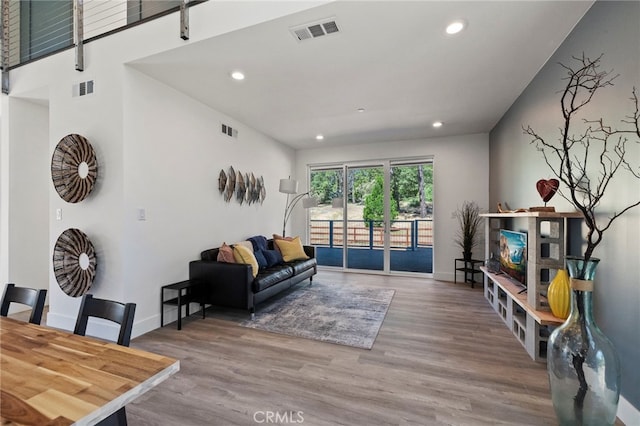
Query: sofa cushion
[271, 276]
[210, 254]
[225, 254]
[243, 255]
[291, 250]
[300, 266]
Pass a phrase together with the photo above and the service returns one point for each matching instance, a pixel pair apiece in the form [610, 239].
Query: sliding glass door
[326, 225]
[411, 227]
[374, 217]
[365, 214]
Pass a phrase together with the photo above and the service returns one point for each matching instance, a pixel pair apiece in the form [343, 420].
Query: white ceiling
[392, 58]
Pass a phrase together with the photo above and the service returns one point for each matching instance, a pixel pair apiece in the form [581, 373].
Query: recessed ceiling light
[319, 137]
[437, 124]
[237, 75]
[455, 27]
[360, 109]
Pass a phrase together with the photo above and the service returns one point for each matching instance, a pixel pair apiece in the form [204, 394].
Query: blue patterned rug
[341, 314]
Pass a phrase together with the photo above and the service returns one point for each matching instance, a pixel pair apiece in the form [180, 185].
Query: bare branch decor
[586, 162]
[583, 366]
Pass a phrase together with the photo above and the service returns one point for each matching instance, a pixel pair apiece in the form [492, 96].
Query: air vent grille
[83, 88]
[330, 27]
[229, 131]
[316, 29]
[302, 34]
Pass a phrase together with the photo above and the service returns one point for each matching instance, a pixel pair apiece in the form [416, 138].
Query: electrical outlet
[58, 214]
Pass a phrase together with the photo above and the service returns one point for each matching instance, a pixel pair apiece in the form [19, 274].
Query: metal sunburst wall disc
[74, 262]
[74, 168]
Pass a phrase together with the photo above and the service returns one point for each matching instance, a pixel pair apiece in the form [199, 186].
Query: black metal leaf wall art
[246, 187]
[231, 184]
[222, 181]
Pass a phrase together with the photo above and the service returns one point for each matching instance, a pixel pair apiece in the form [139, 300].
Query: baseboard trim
[62, 322]
[103, 329]
[108, 330]
[96, 327]
[443, 276]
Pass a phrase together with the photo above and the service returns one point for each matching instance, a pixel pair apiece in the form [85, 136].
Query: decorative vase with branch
[469, 220]
[583, 367]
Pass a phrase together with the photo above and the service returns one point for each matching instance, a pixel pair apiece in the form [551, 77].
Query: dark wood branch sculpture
[598, 147]
[586, 163]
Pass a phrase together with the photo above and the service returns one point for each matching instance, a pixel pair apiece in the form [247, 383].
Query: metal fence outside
[405, 234]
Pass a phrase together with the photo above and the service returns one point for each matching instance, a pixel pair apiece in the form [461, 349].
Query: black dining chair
[121, 313]
[26, 296]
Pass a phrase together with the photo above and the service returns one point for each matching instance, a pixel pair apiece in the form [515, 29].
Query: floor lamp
[290, 186]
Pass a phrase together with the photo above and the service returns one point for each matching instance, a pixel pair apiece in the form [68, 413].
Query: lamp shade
[288, 186]
[309, 202]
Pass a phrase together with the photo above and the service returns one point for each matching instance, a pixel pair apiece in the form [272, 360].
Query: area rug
[341, 314]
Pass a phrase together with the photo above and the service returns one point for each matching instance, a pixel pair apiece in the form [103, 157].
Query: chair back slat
[120, 313]
[32, 297]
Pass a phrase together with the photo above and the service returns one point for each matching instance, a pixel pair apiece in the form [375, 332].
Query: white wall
[460, 172]
[139, 163]
[27, 175]
[98, 117]
[610, 28]
[4, 191]
[174, 151]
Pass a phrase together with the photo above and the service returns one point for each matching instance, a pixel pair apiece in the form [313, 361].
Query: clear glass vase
[583, 366]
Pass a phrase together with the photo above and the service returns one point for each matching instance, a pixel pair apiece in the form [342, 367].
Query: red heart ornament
[547, 188]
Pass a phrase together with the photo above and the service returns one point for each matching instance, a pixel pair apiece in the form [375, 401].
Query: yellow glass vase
[559, 294]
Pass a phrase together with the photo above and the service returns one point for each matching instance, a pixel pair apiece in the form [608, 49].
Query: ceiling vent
[316, 29]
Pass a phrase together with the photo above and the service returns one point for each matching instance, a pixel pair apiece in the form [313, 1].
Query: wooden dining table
[53, 377]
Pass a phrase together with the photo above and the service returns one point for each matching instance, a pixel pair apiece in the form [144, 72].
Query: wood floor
[442, 357]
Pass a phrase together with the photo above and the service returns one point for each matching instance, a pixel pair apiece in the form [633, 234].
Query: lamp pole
[289, 208]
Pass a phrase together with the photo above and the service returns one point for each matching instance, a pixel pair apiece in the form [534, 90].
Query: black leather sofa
[233, 285]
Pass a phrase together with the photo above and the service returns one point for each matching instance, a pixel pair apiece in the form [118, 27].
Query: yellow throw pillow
[280, 237]
[243, 255]
[291, 250]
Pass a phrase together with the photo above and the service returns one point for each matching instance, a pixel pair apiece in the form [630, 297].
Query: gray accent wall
[612, 29]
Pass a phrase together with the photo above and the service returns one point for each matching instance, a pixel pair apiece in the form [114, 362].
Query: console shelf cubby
[525, 309]
[529, 326]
